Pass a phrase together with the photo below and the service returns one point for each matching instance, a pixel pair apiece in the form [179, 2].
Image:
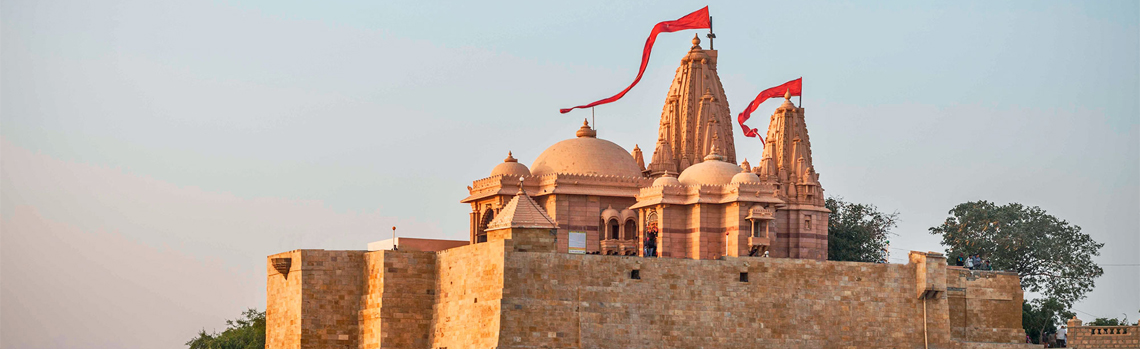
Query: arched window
[614, 228]
[487, 217]
[630, 229]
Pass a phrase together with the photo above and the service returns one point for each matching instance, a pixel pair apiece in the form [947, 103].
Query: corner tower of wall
[315, 304]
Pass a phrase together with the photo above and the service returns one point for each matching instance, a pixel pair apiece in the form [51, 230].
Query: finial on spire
[714, 152]
[696, 41]
[510, 158]
[521, 191]
[787, 94]
[585, 130]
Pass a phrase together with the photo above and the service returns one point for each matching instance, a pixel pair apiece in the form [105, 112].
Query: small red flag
[793, 87]
[696, 20]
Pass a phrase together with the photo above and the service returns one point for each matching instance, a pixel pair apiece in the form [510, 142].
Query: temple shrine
[693, 200]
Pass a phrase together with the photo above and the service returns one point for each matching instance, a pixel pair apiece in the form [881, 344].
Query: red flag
[794, 87]
[696, 20]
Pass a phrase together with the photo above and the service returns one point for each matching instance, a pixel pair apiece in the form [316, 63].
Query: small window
[744, 277]
[635, 274]
[807, 222]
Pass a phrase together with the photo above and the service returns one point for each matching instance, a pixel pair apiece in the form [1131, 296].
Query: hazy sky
[154, 153]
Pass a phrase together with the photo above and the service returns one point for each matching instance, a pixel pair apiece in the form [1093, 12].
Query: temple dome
[667, 180]
[713, 171]
[586, 154]
[745, 177]
[511, 167]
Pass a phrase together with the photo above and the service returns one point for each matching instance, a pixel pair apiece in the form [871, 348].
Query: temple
[591, 247]
[692, 201]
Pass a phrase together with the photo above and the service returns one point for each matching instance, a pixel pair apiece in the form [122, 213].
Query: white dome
[585, 155]
[709, 172]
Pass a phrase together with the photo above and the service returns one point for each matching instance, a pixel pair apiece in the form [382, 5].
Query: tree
[1042, 316]
[857, 232]
[246, 332]
[1051, 256]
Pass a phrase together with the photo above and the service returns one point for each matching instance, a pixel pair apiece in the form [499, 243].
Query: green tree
[1041, 317]
[246, 332]
[857, 232]
[1051, 256]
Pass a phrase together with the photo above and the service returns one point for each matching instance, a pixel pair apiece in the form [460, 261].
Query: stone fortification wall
[400, 292]
[466, 311]
[316, 305]
[283, 303]
[592, 301]
[985, 306]
[492, 295]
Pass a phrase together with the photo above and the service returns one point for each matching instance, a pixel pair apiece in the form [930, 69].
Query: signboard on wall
[577, 242]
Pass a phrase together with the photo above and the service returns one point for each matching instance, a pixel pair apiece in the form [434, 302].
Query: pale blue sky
[155, 152]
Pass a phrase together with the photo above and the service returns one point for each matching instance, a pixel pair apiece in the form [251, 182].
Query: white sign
[577, 242]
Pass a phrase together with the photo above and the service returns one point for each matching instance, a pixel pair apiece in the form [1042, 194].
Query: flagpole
[592, 120]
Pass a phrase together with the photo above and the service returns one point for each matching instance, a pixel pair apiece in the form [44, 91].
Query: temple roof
[521, 212]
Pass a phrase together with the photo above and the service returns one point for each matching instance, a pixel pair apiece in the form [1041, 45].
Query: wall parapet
[1102, 337]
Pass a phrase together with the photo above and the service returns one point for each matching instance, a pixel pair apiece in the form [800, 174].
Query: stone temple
[557, 257]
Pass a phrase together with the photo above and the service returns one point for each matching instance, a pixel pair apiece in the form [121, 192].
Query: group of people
[651, 242]
[1053, 340]
[974, 262]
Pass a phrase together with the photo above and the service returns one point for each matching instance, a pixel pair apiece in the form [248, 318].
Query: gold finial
[788, 94]
[510, 158]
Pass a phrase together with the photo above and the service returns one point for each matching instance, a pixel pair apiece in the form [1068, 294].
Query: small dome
[709, 172]
[667, 180]
[510, 166]
[610, 213]
[586, 154]
[745, 177]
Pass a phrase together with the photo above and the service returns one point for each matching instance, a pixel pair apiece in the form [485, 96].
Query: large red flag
[793, 87]
[696, 20]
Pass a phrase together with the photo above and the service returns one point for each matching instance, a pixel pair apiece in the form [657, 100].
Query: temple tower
[695, 109]
[801, 225]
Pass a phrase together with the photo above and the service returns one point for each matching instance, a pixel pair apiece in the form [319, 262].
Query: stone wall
[1102, 337]
[400, 294]
[466, 311]
[592, 301]
[493, 295]
[316, 305]
[283, 305]
[985, 306]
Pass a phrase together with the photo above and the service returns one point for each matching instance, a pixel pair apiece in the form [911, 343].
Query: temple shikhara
[598, 246]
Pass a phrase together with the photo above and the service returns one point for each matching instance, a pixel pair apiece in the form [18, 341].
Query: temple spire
[695, 109]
